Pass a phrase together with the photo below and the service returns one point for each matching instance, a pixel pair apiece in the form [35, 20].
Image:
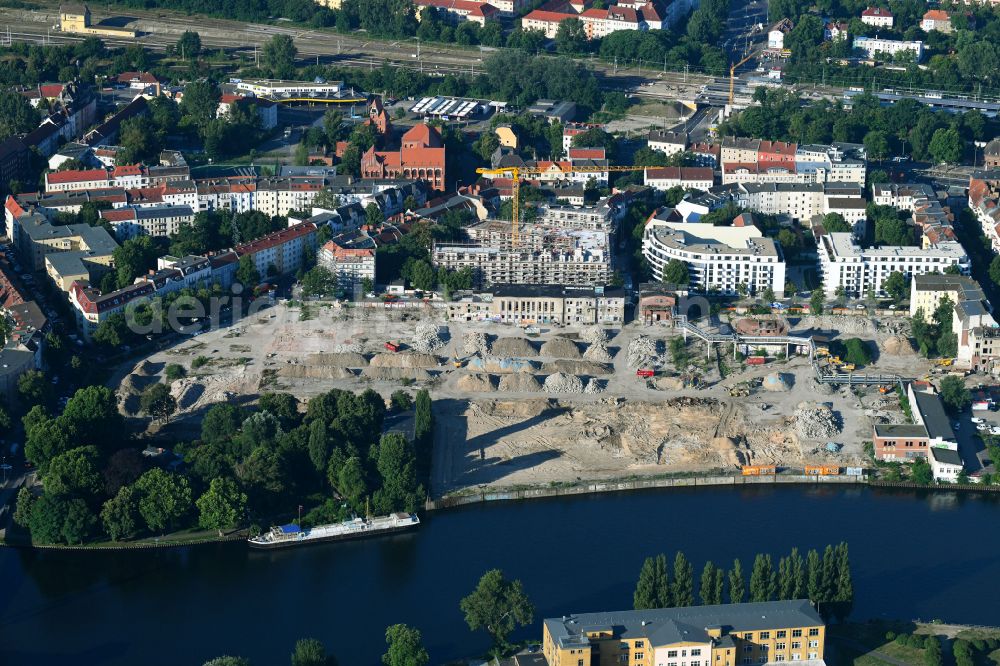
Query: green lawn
[853, 644]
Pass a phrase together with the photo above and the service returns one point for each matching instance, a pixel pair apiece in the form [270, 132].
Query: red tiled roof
[76, 176]
[118, 214]
[876, 11]
[276, 238]
[142, 77]
[547, 17]
[586, 154]
[127, 170]
[937, 15]
[681, 173]
[51, 90]
[423, 134]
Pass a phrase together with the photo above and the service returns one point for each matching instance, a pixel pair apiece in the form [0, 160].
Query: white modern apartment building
[718, 258]
[666, 142]
[874, 46]
[133, 221]
[847, 265]
[689, 178]
[274, 88]
[278, 196]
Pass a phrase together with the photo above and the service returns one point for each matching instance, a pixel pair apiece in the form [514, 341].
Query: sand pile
[668, 383]
[577, 367]
[560, 347]
[136, 383]
[316, 372]
[429, 337]
[338, 360]
[594, 335]
[475, 343]
[388, 373]
[148, 368]
[497, 365]
[898, 345]
[404, 360]
[598, 351]
[513, 347]
[641, 352]
[777, 382]
[815, 421]
[560, 382]
[594, 386]
[521, 382]
[476, 384]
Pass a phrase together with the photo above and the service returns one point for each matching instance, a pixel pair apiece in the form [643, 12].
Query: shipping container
[755, 360]
[822, 470]
[854, 471]
[759, 470]
[392, 346]
[644, 373]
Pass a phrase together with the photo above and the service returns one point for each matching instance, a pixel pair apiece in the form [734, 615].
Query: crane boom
[514, 173]
[732, 77]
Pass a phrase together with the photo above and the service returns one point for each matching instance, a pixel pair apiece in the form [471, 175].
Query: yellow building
[333, 4]
[928, 290]
[507, 136]
[726, 635]
[77, 19]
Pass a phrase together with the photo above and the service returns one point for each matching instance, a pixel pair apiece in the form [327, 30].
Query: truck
[755, 360]
[392, 345]
[645, 373]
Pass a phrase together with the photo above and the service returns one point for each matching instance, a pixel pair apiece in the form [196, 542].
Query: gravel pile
[594, 386]
[513, 348]
[315, 372]
[475, 343]
[339, 360]
[390, 374]
[598, 351]
[577, 367]
[428, 338]
[560, 347]
[777, 382]
[403, 360]
[560, 382]
[594, 335]
[520, 382]
[898, 345]
[641, 352]
[349, 348]
[814, 421]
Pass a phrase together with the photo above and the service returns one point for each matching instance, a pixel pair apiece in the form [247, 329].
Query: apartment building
[725, 635]
[718, 258]
[82, 179]
[879, 17]
[666, 142]
[991, 154]
[847, 265]
[582, 259]
[984, 200]
[35, 238]
[350, 257]
[460, 10]
[529, 304]
[266, 110]
[689, 178]
[132, 221]
[281, 252]
[279, 196]
[739, 150]
[927, 292]
[928, 215]
[803, 201]
[936, 19]
[876, 46]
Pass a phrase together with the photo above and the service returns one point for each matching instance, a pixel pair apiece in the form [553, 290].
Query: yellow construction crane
[515, 173]
[732, 76]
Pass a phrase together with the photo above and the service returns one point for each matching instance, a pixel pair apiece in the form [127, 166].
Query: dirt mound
[476, 384]
[897, 345]
[520, 382]
[129, 405]
[513, 347]
[390, 374]
[560, 347]
[668, 383]
[316, 372]
[404, 360]
[815, 421]
[136, 383]
[778, 382]
[594, 386]
[560, 382]
[148, 368]
[338, 360]
[577, 367]
[594, 335]
[512, 408]
[598, 351]
[188, 394]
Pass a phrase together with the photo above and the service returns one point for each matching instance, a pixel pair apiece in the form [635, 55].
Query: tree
[226, 660]
[120, 515]
[653, 588]
[45, 438]
[200, 104]
[222, 506]
[895, 286]
[763, 581]
[373, 215]
[954, 395]
[816, 302]
[422, 275]
[16, 115]
[246, 272]
[350, 481]
[682, 589]
[35, 389]
[676, 272]
[92, 414]
[189, 45]
[405, 647]
[843, 595]
[710, 589]
[133, 258]
[157, 402]
[876, 145]
[856, 352]
[946, 146]
[75, 473]
[814, 586]
[164, 498]
[737, 585]
[571, 37]
[279, 56]
[995, 270]
[797, 571]
[498, 606]
[932, 651]
[311, 652]
[835, 223]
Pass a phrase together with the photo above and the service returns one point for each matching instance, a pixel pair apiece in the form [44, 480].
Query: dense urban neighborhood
[301, 272]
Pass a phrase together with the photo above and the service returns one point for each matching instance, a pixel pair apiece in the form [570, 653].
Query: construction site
[564, 404]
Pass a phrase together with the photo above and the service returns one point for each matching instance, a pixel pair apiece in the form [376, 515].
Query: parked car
[977, 420]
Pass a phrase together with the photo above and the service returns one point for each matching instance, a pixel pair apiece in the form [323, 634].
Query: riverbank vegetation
[823, 579]
[250, 465]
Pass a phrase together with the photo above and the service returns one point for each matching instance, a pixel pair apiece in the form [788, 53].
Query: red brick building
[900, 442]
[422, 155]
[378, 117]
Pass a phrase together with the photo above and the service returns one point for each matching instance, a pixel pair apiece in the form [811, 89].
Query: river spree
[915, 555]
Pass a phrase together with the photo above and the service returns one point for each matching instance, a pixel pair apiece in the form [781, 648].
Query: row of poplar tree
[823, 579]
